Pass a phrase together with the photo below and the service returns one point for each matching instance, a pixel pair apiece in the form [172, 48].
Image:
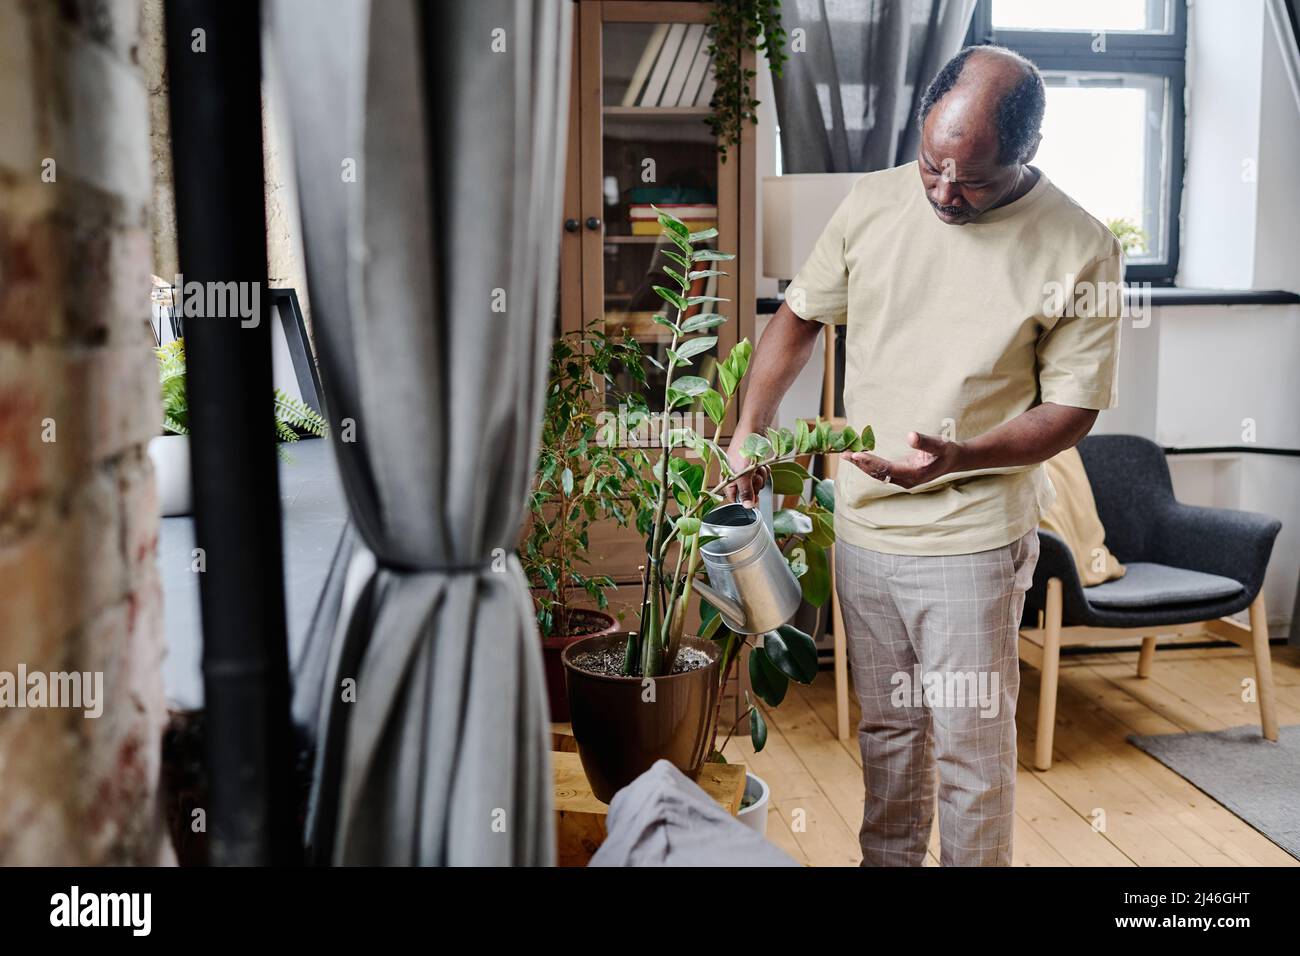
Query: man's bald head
[989, 92]
[979, 128]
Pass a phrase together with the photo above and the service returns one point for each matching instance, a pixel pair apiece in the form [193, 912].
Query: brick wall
[78, 405]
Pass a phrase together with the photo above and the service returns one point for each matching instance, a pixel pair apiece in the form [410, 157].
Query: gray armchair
[1188, 568]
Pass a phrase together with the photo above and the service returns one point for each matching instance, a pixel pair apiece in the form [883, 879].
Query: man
[961, 357]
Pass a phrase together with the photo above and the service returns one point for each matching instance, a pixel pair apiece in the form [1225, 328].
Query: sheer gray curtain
[847, 103]
[429, 155]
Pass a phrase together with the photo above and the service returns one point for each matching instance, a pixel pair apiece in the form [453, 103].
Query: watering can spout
[733, 615]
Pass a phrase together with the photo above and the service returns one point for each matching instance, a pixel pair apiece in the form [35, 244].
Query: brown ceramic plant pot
[587, 623]
[620, 734]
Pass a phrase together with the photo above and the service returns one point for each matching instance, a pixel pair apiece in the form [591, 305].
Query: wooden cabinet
[641, 82]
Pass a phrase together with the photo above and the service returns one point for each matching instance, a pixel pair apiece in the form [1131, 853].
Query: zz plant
[685, 490]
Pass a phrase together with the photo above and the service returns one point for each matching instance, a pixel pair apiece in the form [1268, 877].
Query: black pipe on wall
[214, 67]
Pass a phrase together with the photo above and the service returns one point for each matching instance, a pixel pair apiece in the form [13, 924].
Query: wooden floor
[1152, 817]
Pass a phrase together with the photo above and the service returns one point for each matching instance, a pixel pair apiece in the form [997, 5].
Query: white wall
[1190, 379]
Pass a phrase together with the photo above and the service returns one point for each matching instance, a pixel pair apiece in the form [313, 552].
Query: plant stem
[651, 645]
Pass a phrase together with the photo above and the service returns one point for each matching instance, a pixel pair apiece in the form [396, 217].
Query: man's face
[959, 167]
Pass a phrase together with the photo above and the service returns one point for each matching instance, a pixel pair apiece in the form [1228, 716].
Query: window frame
[1161, 55]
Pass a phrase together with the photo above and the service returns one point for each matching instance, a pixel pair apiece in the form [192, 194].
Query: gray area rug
[1256, 779]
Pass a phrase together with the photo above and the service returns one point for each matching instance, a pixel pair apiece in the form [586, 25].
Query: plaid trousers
[933, 643]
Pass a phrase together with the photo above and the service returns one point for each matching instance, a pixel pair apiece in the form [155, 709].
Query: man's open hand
[932, 459]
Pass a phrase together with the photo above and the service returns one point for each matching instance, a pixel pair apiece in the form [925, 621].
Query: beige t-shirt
[952, 331]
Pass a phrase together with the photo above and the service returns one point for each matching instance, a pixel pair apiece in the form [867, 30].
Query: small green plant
[171, 375]
[1132, 237]
[682, 496]
[583, 475]
[292, 418]
[734, 27]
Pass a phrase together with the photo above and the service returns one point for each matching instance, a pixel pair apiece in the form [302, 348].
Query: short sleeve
[1079, 354]
[820, 292]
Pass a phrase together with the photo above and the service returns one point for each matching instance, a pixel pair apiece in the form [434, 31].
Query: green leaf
[738, 358]
[766, 679]
[671, 222]
[824, 493]
[711, 255]
[701, 321]
[693, 347]
[677, 257]
[681, 242]
[727, 379]
[714, 406]
[755, 446]
[686, 527]
[787, 521]
[691, 385]
[793, 653]
[823, 533]
[681, 279]
[705, 273]
[671, 296]
[801, 437]
[866, 440]
[788, 477]
[703, 234]
[816, 581]
[710, 627]
[701, 299]
[566, 481]
[757, 729]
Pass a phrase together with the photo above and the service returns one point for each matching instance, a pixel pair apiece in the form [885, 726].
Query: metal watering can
[750, 582]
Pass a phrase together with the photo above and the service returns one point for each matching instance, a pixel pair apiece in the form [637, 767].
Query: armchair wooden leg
[841, 662]
[1146, 656]
[1050, 674]
[1263, 668]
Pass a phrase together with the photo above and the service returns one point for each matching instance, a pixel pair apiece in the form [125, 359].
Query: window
[1113, 133]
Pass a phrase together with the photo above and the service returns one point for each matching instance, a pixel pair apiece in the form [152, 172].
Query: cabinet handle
[570, 225]
[593, 223]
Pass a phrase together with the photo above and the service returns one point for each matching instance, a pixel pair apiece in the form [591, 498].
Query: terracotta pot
[620, 734]
[594, 624]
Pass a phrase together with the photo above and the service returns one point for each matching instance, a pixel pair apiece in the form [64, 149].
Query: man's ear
[1033, 149]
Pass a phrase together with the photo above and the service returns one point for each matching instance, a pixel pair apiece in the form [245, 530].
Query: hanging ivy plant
[734, 27]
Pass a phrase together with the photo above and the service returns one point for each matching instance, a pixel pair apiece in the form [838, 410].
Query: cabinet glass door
[656, 151]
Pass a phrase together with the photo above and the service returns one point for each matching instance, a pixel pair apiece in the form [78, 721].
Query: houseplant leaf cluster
[291, 417]
[734, 27]
[582, 474]
[687, 488]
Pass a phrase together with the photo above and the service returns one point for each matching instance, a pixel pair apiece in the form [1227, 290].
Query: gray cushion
[664, 819]
[1148, 585]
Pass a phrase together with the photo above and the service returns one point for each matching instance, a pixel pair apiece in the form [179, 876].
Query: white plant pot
[754, 816]
[170, 455]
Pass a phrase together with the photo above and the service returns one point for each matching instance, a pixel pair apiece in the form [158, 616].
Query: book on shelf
[651, 227]
[683, 211]
[654, 86]
[670, 195]
[644, 65]
[706, 89]
[681, 68]
[695, 77]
